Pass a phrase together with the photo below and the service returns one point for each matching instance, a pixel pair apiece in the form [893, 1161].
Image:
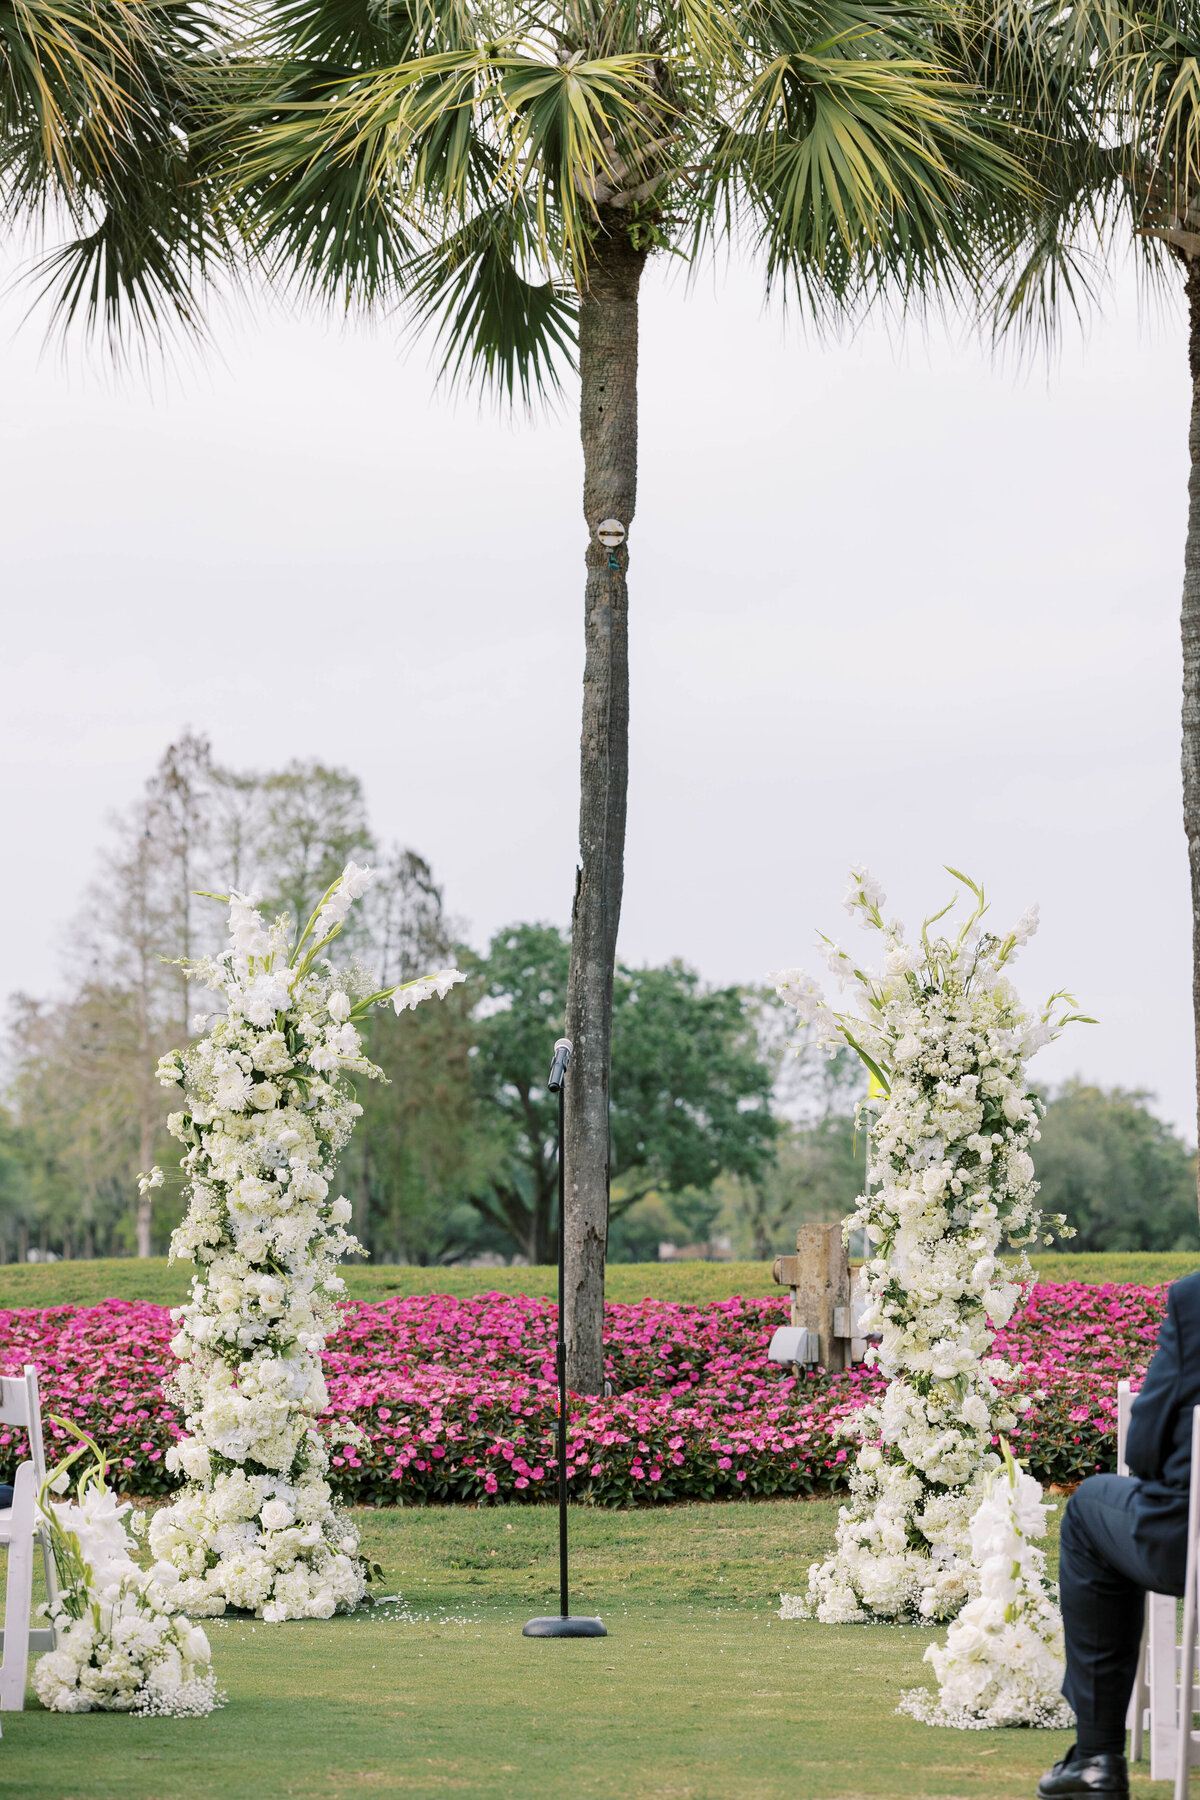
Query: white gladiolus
[413, 992]
[948, 1179]
[267, 1116]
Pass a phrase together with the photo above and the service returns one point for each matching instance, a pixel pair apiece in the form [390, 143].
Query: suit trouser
[1103, 1578]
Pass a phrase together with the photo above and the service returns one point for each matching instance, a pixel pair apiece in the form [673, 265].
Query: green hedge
[126, 1278]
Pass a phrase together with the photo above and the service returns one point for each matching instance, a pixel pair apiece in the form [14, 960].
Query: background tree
[520, 991]
[81, 1128]
[690, 1092]
[819, 1165]
[179, 823]
[1124, 1179]
[134, 1004]
[16, 1198]
[312, 823]
[508, 168]
[87, 1113]
[419, 1150]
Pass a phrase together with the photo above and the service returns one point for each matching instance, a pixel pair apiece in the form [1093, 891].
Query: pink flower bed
[455, 1398]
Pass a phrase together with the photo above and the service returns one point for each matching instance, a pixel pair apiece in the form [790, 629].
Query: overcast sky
[888, 600]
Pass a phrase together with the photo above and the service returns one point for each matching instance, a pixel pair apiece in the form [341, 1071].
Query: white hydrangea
[267, 1114]
[123, 1642]
[1002, 1662]
[949, 1177]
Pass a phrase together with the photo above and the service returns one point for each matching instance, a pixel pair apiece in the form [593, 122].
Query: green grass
[1115, 1265]
[127, 1278]
[698, 1693]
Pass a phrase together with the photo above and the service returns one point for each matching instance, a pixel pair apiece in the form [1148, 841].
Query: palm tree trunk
[608, 334]
[1191, 655]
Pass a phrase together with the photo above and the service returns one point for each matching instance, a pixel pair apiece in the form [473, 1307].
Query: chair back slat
[20, 1405]
[1125, 1394]
[37, 1449]
[25, 1532]
[14, 1399]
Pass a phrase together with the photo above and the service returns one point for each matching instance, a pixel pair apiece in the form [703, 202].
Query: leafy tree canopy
[690, 1091]
[1122, 1176]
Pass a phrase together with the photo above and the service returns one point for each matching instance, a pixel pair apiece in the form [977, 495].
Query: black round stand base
[559, 1627]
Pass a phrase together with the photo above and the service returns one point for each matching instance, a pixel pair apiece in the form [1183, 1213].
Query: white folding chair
[21, 1519]
[1167, 1667]
[20, 1405]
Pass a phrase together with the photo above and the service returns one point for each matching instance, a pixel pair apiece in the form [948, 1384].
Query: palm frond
[99, 154]
[494, 326]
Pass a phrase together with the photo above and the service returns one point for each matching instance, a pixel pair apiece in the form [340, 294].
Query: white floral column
[950, 1177]
[267, 1111]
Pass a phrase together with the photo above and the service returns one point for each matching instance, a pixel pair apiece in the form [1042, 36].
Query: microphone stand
[564, 1625]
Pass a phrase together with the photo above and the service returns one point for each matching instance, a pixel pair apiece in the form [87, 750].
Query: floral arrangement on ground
[267, 1105]
[455, 1397]
[122, 1643]
[949, 1188]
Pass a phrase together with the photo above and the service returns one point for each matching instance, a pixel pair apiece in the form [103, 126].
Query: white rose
[196, 1646]
[194, 1459]
[999, 1305]
[276, 1515]
[265, 1097]
[975, 1412]
[341, 1211]
[339, 1006]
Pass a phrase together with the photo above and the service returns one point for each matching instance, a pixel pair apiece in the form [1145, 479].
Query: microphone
[558, 1068]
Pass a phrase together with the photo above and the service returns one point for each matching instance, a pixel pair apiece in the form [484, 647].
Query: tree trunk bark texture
[608, 335]
[1190, 624]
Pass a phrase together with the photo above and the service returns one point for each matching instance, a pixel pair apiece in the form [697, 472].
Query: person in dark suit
[1122, 1536]
[6, 1495]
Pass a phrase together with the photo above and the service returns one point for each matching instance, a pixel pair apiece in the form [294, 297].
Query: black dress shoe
[1077, 1777]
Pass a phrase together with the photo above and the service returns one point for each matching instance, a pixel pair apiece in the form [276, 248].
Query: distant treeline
[721, 1139]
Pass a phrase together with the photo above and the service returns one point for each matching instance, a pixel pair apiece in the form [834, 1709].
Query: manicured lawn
[153, 1279]
[127, 1278]
[699, 1693]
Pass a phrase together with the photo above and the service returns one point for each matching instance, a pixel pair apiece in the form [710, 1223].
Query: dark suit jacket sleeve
[1156, 1406]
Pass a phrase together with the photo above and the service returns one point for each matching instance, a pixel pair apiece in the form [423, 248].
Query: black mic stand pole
[564, 1625]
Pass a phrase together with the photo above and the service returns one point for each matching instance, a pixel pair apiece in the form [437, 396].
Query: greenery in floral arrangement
[269, 1106]
[949, 1178]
